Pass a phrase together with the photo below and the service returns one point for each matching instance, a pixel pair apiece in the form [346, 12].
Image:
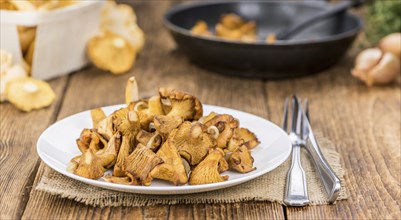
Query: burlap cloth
[269, 187]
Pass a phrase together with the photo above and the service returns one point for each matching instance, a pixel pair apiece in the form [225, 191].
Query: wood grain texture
[364, 123]
[18, 159]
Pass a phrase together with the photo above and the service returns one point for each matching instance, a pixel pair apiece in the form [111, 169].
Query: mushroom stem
[214, 131]
[166, 101]
[152, 127]
[139, 104]
[131, 91]
[133, 116]
[152, 141]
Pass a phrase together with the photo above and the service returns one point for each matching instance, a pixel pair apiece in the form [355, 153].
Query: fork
[296, 193]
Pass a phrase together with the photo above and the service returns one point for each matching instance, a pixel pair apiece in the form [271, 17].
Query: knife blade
[331, 182]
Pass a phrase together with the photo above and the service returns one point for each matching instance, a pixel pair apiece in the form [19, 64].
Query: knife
[331, 182]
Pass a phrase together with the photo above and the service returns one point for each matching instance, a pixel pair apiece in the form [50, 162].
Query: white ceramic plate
[56, 146]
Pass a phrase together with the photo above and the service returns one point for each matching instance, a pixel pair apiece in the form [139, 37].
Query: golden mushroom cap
[28, 94]
[111, 52]
[121, 19]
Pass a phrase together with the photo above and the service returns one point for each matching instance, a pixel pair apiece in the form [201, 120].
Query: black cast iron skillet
[314, 49]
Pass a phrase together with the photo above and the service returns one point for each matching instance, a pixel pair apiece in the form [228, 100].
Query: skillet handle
[338, 8]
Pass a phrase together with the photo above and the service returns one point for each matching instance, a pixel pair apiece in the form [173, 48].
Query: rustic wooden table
[364, 124]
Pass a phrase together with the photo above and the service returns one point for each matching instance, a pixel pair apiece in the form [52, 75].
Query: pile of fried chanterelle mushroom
[164, 137]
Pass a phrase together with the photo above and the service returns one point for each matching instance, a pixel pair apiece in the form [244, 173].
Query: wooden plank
[158, 65]
[245, 210]
[18, 158]
[46, 206]
[364, 123]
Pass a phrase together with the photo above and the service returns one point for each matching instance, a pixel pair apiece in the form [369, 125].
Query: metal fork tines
[296, 193]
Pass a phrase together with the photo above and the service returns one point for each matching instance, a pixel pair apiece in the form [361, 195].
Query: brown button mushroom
[207, 171]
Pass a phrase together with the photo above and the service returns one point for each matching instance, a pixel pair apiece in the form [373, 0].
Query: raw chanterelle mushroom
[93, 164]
[127, 122]
[172, 169]
[165, 124]
[151, 140]
[97, 115]
[131, 91]
[140, 162]
[137, 166]
[28, 94]
[122, 120]
[241, 160]
[179, 103]
[90, 139]
[123, 153]
[192, 141]
[225, 125]
[242, 136]
[111, 52]
[105, 127]
[147, 110]
[207, 171]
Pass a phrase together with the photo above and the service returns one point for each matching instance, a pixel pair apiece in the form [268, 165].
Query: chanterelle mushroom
[90, 166]
[179, 103]
[242, 136]
[123, 153]
[225, 125]
[93, 164]
[127, 122]
[207, 171]
[165, 124]
[105, 127]
[191, 141]
[147, 110]
[97, 115]
[139, 164]
[172, 169]
[223, 165]
[109, 153]
[111, 52]
[90, 139]
[131, 91]
[241, 160]
[126, 180]
[151, 140]
[28, 94]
